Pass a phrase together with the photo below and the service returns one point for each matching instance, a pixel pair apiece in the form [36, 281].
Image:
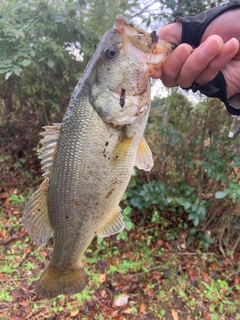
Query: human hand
[219, 50]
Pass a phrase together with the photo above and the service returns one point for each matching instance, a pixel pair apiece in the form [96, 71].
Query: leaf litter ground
[145, 277]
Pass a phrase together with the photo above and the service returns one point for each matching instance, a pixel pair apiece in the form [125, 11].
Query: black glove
[192, 32]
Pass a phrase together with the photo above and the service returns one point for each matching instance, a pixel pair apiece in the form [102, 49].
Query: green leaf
[194, 207]
[201, 211]
[50, 63]
[5, 63]
[26, 62]
[127, 210]
[16, 70]
[3, 55]
[128, 225]
[32, 53]
[196, 221]
[187, 205]
[192, 216]
[221, 194]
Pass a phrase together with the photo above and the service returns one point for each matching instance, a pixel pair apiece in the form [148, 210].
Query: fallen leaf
[4, 195]
[156, 276]
[102, 277]
[18, 294]
[114, 314]
[133, 287]
[18, 258]
[213, 266]
[206, 278]
[103, 293]
[24, 303]
[142, 307]
[174, 314]
[74, 313]
[121, 300]
[151, 293]
[183, 246]
[4, 232]
[128, 311]
[43, 253]
[193, 277]
[236, 281]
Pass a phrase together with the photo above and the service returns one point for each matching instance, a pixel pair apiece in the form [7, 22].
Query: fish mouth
[140, 39]
[141, 45]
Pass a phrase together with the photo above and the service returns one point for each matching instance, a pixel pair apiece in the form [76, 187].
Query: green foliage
[17, 199]
[155, 197]
[233, 192]
[194, 158]
[183, 8]
[5, 296]
[38, 70]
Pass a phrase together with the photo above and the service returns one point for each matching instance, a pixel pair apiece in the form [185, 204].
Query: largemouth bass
[88, 158]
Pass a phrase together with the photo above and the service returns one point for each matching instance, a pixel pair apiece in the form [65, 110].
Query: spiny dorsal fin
[115, 225]
[49, 147]
[35, 215]
[144, 160]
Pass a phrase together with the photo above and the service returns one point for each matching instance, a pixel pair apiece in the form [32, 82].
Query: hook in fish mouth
[154, 37]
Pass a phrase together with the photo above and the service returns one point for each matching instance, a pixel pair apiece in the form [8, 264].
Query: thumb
[171, 33]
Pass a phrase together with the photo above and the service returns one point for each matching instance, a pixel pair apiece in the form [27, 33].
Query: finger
[229, 50]
[226, 25]
[171, 33]
[172, 67]
[199, 60]
[232, 76]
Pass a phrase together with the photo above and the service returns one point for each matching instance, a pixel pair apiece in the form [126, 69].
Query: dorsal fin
[49, 147]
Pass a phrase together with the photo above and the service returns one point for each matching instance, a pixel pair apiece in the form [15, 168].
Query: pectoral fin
[35, 216]
[144, 160]
[115, 225]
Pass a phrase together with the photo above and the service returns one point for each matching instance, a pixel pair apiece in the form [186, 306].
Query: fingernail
[209, 49]
[180, 57]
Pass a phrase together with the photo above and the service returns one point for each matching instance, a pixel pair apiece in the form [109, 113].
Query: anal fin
[115, 225]
[35, 215]
[144, 160]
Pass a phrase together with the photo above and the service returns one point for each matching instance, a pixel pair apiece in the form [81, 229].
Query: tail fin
[54, 282]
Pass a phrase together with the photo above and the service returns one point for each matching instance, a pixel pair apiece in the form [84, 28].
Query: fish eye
[110, 52]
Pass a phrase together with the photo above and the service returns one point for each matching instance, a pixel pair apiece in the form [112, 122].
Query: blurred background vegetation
[193, 188]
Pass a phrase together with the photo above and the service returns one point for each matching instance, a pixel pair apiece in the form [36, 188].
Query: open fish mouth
[147, 47]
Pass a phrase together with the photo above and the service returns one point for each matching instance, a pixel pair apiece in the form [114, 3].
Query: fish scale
[88, 159]
[87, 164]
